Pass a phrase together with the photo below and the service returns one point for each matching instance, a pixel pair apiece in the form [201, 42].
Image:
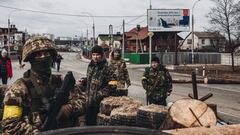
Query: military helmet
[36, 44]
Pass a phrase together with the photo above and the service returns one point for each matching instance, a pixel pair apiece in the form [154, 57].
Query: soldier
[120, 69]
[27, 100]
[100, 79]
[157, 82]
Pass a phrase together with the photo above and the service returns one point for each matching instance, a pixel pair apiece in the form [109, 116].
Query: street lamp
[89, 14]
[193, 30]
[150, 34]
[8, 41]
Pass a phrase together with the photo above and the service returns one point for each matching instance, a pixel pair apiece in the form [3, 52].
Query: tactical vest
[40, 97]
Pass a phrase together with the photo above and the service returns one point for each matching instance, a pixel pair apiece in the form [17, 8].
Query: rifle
[150, 89]
[60, 98]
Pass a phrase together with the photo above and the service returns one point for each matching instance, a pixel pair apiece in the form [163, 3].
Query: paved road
[227, 97]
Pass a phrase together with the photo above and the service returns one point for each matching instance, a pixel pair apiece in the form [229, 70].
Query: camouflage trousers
[91, 115]
[158, 101]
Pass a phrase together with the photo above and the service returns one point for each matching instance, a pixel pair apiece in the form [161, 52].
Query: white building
[104, 39]
[205, 41]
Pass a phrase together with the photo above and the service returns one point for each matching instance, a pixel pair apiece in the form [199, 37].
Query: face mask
[41, 65]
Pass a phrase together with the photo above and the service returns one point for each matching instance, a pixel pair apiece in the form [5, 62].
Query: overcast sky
[70, 26]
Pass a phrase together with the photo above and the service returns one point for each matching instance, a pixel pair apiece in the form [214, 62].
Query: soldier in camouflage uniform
[27, 99]
[120, 69]
[157, 82]
[101, 82]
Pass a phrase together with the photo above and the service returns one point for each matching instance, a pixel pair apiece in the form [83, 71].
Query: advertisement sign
[164, 20]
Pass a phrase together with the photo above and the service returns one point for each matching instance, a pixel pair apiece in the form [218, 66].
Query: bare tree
[224, 17]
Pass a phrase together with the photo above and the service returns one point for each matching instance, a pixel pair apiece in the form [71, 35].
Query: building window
[203, 41]
[189, 41]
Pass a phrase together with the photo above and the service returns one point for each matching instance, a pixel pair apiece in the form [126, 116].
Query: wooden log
[109, 103]
[151, 116]
[103, 120]
[214, 130]
[125, 115]
[223, 81]
[189, 113]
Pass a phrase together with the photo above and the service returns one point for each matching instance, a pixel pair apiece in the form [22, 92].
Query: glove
[112, 90]
[64, 112]
[144, 82]
[99, 96]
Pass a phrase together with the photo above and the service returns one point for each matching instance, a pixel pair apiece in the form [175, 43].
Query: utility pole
[176, 49]
[123, 41]
[8, 41]
[111, 36]
[150, 4]
[150, 34]
[93, 33]
[193, 31]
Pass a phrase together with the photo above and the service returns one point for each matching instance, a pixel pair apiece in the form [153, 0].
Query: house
[205, 41]
[4, 35]
[104, 39]
[16, 40]
[137, 40]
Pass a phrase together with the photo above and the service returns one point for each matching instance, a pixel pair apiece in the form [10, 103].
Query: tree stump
[151, 116]
[189, 113]
[103, 119]
[110, 103]
[125, 115]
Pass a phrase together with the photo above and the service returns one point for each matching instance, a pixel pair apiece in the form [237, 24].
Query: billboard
[168, 20]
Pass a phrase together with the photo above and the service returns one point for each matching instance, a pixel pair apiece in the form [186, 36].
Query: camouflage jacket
[163, 78]
[120, 69]
[29, 97]
[98, 78]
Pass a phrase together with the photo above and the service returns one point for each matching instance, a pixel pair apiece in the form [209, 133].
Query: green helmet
[36, 44]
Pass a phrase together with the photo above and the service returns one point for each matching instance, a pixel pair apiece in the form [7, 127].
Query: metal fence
[186, 58]
[226, 59]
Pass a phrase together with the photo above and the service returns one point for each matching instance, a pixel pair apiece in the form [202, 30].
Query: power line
[66, 14]
[143, 15]
[138, 22]
[134, 19]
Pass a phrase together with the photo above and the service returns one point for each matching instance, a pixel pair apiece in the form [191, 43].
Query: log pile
[151, 116]
[184, 113]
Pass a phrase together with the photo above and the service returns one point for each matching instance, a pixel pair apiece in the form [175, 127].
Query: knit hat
[4, 51]
[155, 59]
[97, 49]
